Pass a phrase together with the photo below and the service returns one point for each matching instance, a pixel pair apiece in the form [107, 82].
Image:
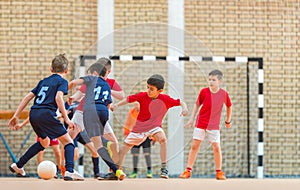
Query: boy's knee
[162, 140]
[45, 142]
[216, 147]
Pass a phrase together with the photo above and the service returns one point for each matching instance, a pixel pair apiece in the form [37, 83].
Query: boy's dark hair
[59, 63]
[157, 81]
[217, 73]
[99, 68]
[105, 61]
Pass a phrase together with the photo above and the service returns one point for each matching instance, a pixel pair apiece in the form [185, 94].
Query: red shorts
[52, 141]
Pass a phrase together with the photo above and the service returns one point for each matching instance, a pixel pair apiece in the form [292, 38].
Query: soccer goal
[242, 145]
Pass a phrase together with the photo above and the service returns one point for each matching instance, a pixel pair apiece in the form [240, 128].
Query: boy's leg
[69, 147]
[198, 137]
[95, 159]
[102, 151]
[57, 153]
[193, 152]
[112, 142]
[135, 159]
[122, 153]
[84, 139]
[31, 152]
[161, 138]
[147, 155]
[217, 155]
[191, 158]
[40, 156]
[218, 161]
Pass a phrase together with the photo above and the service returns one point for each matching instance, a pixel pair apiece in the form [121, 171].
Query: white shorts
[138, 138]
[78, 119]
[212, 135]
[107, 128]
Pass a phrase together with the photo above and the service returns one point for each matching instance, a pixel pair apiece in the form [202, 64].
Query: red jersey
[212, 104]
[112, 83]
[152, 111]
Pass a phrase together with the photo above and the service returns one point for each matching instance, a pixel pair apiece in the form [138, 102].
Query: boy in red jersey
[153, 107]
[211, 100]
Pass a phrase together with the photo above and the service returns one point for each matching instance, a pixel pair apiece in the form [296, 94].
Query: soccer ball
[46, 170]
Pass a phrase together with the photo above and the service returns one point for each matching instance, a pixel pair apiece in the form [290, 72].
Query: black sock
[148, 161]
[96, 165]
[135, 160]
[31, 152]
[69, 157]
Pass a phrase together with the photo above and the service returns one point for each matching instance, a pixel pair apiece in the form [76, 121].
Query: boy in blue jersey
[48, 96]
[95, 114]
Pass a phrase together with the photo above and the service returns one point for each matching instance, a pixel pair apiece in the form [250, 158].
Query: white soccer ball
[46, 169]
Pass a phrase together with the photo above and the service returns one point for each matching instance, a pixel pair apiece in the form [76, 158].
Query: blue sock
[107, 159]
[31, 152]
[69, 157]
[104, 141]
[96, 165]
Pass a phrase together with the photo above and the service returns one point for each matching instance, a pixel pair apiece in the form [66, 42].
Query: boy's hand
[70, 100]
[71, 125]
[227, 124]
[113, 107]
[184, 112]
[189, 124]
[12, 123]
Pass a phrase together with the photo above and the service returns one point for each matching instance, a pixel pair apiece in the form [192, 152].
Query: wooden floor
[151, 184]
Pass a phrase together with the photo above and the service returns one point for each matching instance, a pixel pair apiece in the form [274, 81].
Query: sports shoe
[149, 174]
[220, 176]
[19, 171]
[164, 173]
[99, 176]
[63, 171]
[109, 176]
[75, 176]
[185, 175]
[120, 174]
[58, 174]
[133, 175]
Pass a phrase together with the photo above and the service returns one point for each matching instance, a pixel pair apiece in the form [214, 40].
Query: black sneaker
[164, 173]
[99, 176]
[109, 176]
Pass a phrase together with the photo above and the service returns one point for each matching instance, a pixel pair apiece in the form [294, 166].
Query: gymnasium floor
[151, 184]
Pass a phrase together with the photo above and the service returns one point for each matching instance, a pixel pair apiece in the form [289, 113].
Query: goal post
[248, 61]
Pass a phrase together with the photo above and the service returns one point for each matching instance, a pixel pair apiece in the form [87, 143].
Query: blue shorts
[45, 123]
[94, 121]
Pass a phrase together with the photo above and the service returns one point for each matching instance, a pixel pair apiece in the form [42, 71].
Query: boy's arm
[75, 82]
[120, 95]
[61, 106]
[15, 119]
[19, 126]
[113, 107]
[228, 117]
[191, 120]
[77, 96]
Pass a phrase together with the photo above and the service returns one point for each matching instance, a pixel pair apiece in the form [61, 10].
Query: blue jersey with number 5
[45, 92]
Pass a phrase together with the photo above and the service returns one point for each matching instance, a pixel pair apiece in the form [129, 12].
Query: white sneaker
[14, 168]
[75, 176]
